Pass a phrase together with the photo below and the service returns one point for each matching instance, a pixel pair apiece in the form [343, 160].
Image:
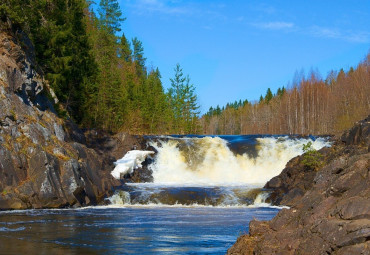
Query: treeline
[102, 81]
[99, 76]
[217, 110]
[310, 105]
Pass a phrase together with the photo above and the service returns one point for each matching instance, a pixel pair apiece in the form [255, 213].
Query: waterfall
[208, 171]
[210, 161]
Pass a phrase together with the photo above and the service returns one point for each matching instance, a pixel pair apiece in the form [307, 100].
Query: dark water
[149, 193]
[126, 230]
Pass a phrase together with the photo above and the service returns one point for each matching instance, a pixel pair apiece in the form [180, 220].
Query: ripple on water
[4, 229]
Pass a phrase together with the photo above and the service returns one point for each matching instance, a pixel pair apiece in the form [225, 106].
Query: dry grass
[8, 142]
[30, 118]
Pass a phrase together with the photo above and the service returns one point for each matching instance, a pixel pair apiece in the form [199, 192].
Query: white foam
[209, 161]
[4, 229]
[120, 198]
[195, 205]
[132, 160]
[260, 200]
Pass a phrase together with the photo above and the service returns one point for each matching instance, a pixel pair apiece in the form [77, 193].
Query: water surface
[126, 230]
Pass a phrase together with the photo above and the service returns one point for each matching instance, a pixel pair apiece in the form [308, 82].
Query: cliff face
[45, 161]
[330, 208]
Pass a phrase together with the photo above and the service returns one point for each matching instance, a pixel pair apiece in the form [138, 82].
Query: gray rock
[43, 165]
[59, 132]
[330, 208]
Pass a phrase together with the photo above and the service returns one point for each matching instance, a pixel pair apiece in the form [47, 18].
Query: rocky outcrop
[358, 135]
[293, 182]
[330, 208]
[46, 162]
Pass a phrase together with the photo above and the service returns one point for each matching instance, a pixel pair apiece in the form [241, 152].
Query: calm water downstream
[126, 230]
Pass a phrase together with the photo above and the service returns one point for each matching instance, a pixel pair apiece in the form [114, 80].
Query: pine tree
[268, 96]
[58, 31]
[125, 49]
[110, 16]
[138, 57]
[280, 92]
[156, 112]
[184, 103]
[261, 99]
[191, 107]
[177, 97]
[218, 110]
[14, 11]
[109, 103]
[100, 78]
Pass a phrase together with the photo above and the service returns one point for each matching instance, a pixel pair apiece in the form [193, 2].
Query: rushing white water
[208, 171]
[151, 195]
[129, 162]
[209, 161]
[120, 198]
[261, 198]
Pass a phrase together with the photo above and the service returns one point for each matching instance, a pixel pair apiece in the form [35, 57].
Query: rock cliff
[46, 162]
[330, 207]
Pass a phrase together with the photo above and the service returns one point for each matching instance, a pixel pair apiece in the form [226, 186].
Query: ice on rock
[129, 162]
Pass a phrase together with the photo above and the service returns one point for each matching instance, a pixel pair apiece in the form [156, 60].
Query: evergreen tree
[191, 107]
[109, 103]
[218, 110]
[268, 96]
[14, 11]
[58, 32]
[210, 112]
[138, 57]
[156, 112]
[110, 16]
[125, 49]
[261, 99]
[100, 78]
[177, 97]
[280, 92]
[183, 102]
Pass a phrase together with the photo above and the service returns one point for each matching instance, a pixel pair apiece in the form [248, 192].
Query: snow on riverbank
[131, 161]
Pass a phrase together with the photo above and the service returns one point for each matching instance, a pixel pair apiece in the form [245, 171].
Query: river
[203, 194]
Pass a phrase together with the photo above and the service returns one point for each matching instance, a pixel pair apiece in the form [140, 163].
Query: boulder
[359, 134]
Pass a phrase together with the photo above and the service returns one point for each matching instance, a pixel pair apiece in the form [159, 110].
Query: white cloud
[265, 8]
[277, 25]
[240, 18]
[179, 8]
[324, 32]
[361, 37]
[159, 6]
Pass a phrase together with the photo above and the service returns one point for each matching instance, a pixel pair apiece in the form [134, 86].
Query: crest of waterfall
[210, 161]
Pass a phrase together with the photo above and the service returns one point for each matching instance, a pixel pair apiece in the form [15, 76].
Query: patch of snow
[132, 160]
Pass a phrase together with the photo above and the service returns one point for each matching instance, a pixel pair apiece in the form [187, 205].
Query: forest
[102, 80]
[309, 105]
[100, 77]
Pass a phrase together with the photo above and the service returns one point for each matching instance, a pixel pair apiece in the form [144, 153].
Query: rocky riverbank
[329, 207]
[45, 161]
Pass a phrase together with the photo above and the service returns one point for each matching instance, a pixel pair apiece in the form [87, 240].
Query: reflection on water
[104, 230]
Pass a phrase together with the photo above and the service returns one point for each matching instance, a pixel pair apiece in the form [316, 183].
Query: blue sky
[237, 49]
